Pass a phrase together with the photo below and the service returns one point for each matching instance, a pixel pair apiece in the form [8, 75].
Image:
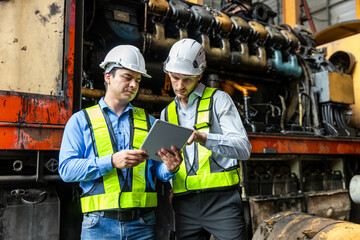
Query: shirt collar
[103, 105]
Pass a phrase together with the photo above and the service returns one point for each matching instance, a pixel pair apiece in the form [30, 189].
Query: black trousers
[220, 213]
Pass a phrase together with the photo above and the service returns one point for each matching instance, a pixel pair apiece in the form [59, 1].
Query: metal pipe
[153, 98]
[39, 166]
[97, 94]
[31, 178]
[246, 107]
[300, 109]
[308, 16]
[145, 26]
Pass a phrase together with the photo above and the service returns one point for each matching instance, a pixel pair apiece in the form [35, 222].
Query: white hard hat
[187, 57]
[125, 56]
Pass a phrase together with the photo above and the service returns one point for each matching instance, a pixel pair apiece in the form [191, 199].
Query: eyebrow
[189, 78]
[131, 76]
[128, 75]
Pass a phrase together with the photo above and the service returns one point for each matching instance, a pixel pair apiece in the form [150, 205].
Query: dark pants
[197, 215]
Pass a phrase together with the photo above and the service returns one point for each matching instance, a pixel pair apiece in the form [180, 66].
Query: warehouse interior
[290, 66]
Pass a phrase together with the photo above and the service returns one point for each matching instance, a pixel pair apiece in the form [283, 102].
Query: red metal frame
[303, 145]
[36, 122]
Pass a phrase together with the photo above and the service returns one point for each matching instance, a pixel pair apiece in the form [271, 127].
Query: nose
[133, 83]
[180, 84]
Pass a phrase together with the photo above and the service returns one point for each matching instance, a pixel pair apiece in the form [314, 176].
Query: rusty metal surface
[27, 28]
[262, 207]
[296, 225]
[330, 204]
[303, 145]
[32, 108]
[30, 138]
[35, 121]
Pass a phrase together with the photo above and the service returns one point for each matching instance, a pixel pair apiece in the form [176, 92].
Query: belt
[127, 215]
[207, 190]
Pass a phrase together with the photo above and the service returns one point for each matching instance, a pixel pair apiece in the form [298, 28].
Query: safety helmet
[125, 56]
[187, 57]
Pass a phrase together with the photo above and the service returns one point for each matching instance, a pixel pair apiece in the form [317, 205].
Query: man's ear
[107, 78]
[200, 76]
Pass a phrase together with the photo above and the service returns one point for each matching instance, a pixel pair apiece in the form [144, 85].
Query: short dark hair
[112, 72]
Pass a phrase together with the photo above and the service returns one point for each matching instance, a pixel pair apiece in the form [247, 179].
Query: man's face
[124, 85]
[183, 85]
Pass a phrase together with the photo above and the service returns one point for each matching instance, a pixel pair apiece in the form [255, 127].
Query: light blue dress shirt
[77, 161]
[228, 139]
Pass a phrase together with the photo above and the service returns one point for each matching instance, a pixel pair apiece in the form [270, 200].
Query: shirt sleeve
[162, 115]
[232, 142]
[73, 165]
[160, 171]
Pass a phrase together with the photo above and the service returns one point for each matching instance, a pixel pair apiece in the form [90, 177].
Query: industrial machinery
[295, 225]
[296, 101]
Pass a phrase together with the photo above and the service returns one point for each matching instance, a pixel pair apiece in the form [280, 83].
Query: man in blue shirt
[100, 149]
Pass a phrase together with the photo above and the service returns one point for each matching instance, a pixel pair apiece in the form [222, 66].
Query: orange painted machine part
[30, 138]
[36, 122]
[303, 145]
[25, 108]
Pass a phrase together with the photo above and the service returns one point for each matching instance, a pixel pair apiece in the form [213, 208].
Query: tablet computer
[163, 135]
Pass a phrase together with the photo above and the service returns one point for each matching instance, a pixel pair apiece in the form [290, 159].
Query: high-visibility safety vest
[113, 198]
[204, 179]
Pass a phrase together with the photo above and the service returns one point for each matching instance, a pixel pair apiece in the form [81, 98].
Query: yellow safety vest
[137, 197]
[204, 179]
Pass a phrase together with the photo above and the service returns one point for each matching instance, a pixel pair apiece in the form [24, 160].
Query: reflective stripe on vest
[137, 198]
[204, 178]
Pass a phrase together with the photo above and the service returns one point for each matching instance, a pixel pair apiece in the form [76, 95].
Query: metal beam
[357, 6]
[291, 12]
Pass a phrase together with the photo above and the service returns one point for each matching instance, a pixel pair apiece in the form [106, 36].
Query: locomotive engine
[278, 79]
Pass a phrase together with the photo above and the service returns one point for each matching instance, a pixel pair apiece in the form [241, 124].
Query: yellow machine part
[349, 43]
[296, 225]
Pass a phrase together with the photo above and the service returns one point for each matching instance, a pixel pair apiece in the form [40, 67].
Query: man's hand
[197, 136]
[128, 158]
[172, 161]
